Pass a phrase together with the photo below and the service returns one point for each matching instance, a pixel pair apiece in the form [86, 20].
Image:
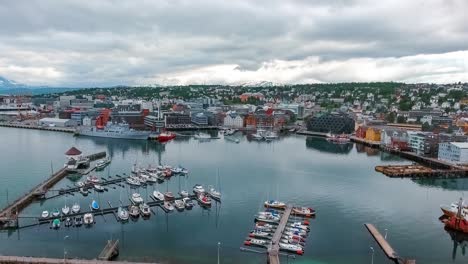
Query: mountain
[260, 84]
[14, 88]
[9, 84]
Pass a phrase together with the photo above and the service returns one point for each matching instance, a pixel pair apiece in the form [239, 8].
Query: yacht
[45, 214]
[65, 210]
[145, 209]
[88, 219]
[188, 203]
[133, 181]
[101, 164]
[179, 205]
[255, 242]
[214, 194]
[198, 189]
[136, 198]
[303, 211]
[168, 206]
[275, 204]
[122, 214]
[134, 211]
[169, 196]
[158, 195]
[292, 248]
[93, 179]
[76, 208]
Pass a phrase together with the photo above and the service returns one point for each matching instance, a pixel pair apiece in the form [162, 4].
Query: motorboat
[76, 208]
[142, 178]
[296, 231]
[198, 189]
[294, 237]
[98, 188]
[292, 233]
[204, 199]
[268, 219]
[255, 242]
[93, 179]
[152, 179]
[272, 213]
[292, 242]
[134, 211]
[165, 136]
[78, 221]
[136, 198]
[184, 193]
[179, 205]
[168, 206]
[184, 171]
[214, 193]
[339, 139]
[261, 225]
[101, 164]
[88, 219]
[258, 233]
[83, 191]
[122, 214]
[275, 204]
[133, 181]
[145, 209]
[94, 205]
[169, 196]
[291, 248]
[270, 135]
[167, 173]
[452, 210]
[298, 226]
[55, 212]
[158, 195]
[188, 203]
[80, 184]
[177, 170]
[65, 210]
[300, 223]
[45, 214]
[56, 224]
[303, 211]
[259, 135]
[68, 222]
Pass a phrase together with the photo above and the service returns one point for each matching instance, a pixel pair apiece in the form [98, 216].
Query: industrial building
[456, 152]
[57, 122]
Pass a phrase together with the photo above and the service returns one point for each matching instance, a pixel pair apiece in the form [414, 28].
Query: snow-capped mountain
[260, 84]
[10, 84]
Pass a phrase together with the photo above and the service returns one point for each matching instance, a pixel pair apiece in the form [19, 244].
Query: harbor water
[338, 181]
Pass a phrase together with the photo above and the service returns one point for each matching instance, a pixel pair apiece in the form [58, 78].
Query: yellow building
[373, 134]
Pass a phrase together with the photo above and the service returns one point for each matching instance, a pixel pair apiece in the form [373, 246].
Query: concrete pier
[273, 249]
[34, 260]
[110, 251]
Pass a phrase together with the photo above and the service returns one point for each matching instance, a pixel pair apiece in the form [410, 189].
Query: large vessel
[112, 130]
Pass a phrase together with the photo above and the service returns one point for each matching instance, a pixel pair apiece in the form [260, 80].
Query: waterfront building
[57, 122]
[234, 120]
[373, 134]
[200, 119]
[250, 121]
[361, 132]
[177, 119]
[153, 122]
[335, 123]
[456, 152]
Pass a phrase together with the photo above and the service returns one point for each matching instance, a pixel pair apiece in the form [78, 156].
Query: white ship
[111, 130]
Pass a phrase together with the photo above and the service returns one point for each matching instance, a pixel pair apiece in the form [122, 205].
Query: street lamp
[64, 250]
[219, 244]
[372, 261]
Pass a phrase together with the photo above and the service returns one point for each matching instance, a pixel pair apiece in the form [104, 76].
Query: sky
[145, 42]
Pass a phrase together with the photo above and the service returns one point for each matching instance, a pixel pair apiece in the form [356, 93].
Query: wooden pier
[55, 129]
[9, 214]
[385, 246]
[419, 171]
[110, 251]
[273, 248]
[37, 260]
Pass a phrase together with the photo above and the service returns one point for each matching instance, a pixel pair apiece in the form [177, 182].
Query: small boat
[134, 211]
[65, 210]
[301, 227]
[168, 206]
[271, 135]
[258, 233]
[45, 214]
[296, 231]
[122, 214]
[164, 136]
[136, 198]
[261, 225]
[214, 194]
[177, 170]
[198, 189]
[152, 179]
[259, 135]
[92, 179]
[268, 219]
[184, 193]
[265, 228]
[255, 242]
[55, 212]
[291, 233]
[94, 205]
[301, 223]
[56, 224]
[295, 238]
[88, 219]
[188, 203]
[158, 195]
[80, 184]
[101, 164]
[184, 171]
[78, 221]
[179, 205]
[292, 242]
[145, 209]
[291, 248]
[133, 181]
[275, 204]
[98, 188]
[76, 208]
[169, 196]
[83, 191]
[303, 211]
[203, 199]
[68, 222]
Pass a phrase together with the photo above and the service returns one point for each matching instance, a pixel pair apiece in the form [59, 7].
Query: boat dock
[385, 246]
[9, 214]
[36, 260]
[273, 249]
[110, 251]
[55, 129]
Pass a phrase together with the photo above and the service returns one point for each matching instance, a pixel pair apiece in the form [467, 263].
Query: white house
[233, 119]
[456, 152]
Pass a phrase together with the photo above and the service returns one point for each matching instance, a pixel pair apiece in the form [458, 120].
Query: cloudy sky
[110, 42]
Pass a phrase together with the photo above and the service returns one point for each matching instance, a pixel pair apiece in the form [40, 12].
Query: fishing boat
[158, 195]
[68, 222]
[198, 189]
[291, 248]
[169, 196]
[165, 136]
[134, 211]
[255, 242]
[55, 212]
[179, 205]
[214, 194]
[45, 214]
[136, 198]
[98, 188]
[133, 181]
[76, 208]
[122, 214]
[88, 219]
[101, 164]
[94, 205]
[275, 204]
[93, 179]
[184, 193]
[56, 224]
[65, 210]
[145, 209]
[188, 203]
[451, 211]
[168, 206]
[84, 191]
[258, 233]
[78, 220]
[203, 199]
[303, 211]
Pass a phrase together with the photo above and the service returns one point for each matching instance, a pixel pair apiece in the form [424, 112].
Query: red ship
[458, 222]
[164, 137]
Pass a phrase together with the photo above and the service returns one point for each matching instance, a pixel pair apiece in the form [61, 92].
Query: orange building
[373, 134]
[250, 121]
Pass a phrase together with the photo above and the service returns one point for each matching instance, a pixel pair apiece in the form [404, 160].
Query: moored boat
[188, 203]
[94, 205]
[184, 193]
[158, 195]
[303, 211]
[55, 212]
[83, 191]
[93, 179]
[214, 193]
[136, 198]
[101, 164]
[88, 219]
[255, 242]
[45, 214]
[122, 214]
[76, 208]
[197, 188]
[168, 206]
[68, 222]
[179, 205]
[168, 196]
[259, 233]
[134, 211]
[65, 210]
[56, 223]
[204, 199]
[133, 181]
[275, 204]
[98, 188]
[78, 220]
[165, 136]
[291, 248]
[145, 209]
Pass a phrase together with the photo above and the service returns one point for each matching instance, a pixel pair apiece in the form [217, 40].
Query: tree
[391, 117]
[401, 119]
[426, 127]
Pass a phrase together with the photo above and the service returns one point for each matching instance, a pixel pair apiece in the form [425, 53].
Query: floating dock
[273, 249]
[419, 171]
[110, 251]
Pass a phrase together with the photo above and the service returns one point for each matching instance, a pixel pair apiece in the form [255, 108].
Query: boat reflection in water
[322, 145]
[460, 240]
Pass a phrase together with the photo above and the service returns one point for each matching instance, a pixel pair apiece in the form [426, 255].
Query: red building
[361, 132]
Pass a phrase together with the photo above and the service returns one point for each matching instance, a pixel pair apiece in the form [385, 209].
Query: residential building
[234, 120]
[456, 152]
[200, 119]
